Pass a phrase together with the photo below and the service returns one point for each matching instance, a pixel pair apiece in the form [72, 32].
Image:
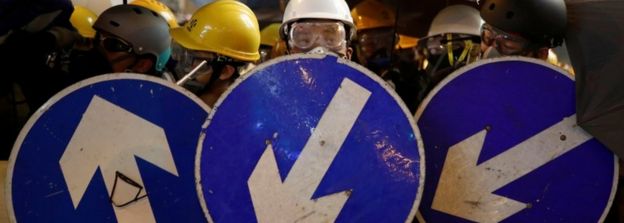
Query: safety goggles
[456, 47]
[114, 44]
[189, 59]
[506, 43]
[307, 35]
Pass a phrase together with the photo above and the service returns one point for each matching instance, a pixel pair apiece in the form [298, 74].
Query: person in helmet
[319, 26]
[269, 38]
[225, 34]
[453, 41]
[42, 63]
[522, 27]
[376, 47]
[376, 37]
[128, 39]
[133, 38]
[159, 8]
[117, 47]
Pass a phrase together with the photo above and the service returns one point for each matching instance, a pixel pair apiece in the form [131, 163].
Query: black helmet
[541, 21]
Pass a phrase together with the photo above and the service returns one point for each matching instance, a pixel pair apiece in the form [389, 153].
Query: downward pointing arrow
[110, 137]
[465, 189]
[290, 201]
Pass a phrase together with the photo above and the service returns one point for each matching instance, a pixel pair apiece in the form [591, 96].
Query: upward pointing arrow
[465, 188]
[110, 137]
[290, 201]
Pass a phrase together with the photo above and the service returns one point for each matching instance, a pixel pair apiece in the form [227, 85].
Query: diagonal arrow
[110, 137]
[465, 188]
[290, 201]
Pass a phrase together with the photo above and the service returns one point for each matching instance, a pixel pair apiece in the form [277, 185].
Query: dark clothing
[407, 84]
[36, 64]
[15, 14]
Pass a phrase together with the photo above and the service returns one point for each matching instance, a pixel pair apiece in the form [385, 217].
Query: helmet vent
[115, 24]
[155, 14]
[138, 11]
[510, 15]
[492, 6]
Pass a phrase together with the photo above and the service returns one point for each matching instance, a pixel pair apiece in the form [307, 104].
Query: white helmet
[461, 19]
[317, 9]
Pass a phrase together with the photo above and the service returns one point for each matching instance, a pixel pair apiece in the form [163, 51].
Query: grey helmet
[145, 30]
[541, 21]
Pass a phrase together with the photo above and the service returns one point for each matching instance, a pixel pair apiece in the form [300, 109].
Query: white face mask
[319, 50]
[491, 52]
[324, 51]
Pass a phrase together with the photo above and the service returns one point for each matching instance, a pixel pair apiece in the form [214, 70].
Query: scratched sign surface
[502, 145]
[310, 138]
[113, 148]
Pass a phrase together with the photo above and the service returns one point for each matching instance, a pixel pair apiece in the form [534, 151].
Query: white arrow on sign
[466, 189]
[291, 201]
[109, 137]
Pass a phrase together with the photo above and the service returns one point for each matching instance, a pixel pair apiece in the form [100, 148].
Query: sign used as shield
[502, 144]
[113, 148]
[310, 138]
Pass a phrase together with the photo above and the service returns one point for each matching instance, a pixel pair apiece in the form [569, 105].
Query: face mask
[380, 60]
[323, 51]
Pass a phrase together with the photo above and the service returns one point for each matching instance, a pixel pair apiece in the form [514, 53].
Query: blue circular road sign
[502, 145]
[312, 138]
[113, 148]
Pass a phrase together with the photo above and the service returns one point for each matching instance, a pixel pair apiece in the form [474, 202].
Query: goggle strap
[467, 47]
[449, 49]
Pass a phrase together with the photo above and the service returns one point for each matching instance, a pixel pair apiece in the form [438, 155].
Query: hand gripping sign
[502, 145]
[113, 148]
[310, 138]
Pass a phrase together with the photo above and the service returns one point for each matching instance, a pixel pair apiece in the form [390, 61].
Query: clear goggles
[188, 59]
[506, 43]
[456, 47]
[308, 35]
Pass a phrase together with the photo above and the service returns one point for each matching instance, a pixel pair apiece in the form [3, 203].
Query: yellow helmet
[270, 34]
[226, 27]
[406, 42]
[159, 8]
[371, 14]
[82, 19]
